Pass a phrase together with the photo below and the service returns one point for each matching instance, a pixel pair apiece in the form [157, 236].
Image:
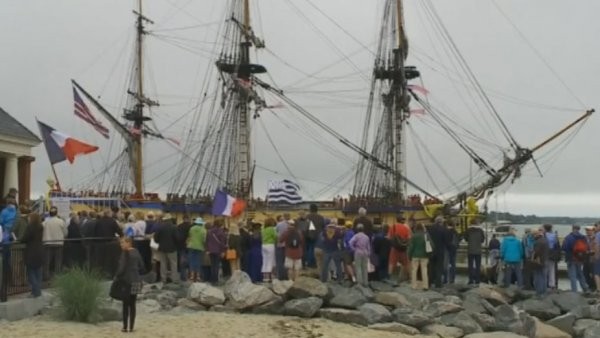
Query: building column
[25, 178]
[11, 173]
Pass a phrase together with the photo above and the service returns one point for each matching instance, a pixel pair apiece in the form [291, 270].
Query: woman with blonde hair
[269, 239]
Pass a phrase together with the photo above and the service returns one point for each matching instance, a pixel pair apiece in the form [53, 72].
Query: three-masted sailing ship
[220, 154]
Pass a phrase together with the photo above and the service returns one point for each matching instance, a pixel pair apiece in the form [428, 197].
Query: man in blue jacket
[576, 248]
[511, 252]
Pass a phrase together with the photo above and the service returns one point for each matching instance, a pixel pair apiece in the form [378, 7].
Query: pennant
[227, 205]
[419, 89]
[83, 112]
[61, 147]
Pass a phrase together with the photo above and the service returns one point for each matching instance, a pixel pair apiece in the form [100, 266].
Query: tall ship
[219, 150]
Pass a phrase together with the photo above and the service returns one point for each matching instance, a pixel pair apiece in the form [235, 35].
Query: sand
[199, 324]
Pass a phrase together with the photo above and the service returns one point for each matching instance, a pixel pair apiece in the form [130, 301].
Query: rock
[305, 287]
[281, 287]
[205, 294]
[109, 314]
[375, 313]
[381, 286]
[148, 306]
[181, 310]
[419, 299]
[22, 308]
[249, 295]
[149, 278]
[411, 317]
[494, 335]
[395, 327]
[190, 304]
[487, 322]
[391, 299]
[343, 316]
[463, 321]
[581, 325]
[548, 331]
[541, 309]
[235, 281]
[366, 292]
[453, 299]
[489, 294]
[594, 312]
[592, 331]
[444, 331]
[472, 304]
[348, 298]
[437, 309]
[564, 323]
[304, 307]
[222, 308]
[582, 312]
[567, 300]
[274, 307]
[167, 299]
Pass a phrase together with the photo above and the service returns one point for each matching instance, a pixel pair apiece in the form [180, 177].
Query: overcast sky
[47, 43]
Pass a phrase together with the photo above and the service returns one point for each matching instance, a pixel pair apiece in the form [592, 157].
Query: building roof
[9, 126]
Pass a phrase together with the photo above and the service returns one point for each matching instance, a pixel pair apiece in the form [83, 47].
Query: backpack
[293, 240]
[555, 252]
[398, 243]
[580, 249]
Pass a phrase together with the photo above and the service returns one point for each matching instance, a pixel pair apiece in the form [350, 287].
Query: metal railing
[99, 254]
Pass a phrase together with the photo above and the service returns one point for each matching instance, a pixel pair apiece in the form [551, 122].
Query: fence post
[3, 274]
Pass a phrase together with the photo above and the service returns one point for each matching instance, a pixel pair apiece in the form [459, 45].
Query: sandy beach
[200, 324]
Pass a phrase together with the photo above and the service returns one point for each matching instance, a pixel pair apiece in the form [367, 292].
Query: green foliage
[79, 292]
[533, 219]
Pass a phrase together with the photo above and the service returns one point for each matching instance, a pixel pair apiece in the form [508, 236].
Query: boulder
[274, 307]
[343, 316]
[205, 294]
[487, 322]
[548, 331]
[237, 279]
[375, 313]
[249, 295]
[179, 289]
[281, 287]
[391, 299]
[592, 331]
[109, 314]
[190, 304]
[463, 321]
[396, 328]
[350, 298]
[411, 317]
[494, 335]
[509, 319]
[419, 299]
[583, 324]
[564, 323]
[490, 294]
[381, 286]
[366, 292]
[222, 308]
[167, 299]
[440, 308]
[472, 304]
[542, 309]
[566, 300]
[453, 299]
[582, 312]
[304, 307]
[148, 306]
[438, 330]
[305, 287]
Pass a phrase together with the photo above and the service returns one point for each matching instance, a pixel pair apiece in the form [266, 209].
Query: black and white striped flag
[284, 191]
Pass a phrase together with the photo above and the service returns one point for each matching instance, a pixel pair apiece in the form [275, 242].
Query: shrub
[79, 293]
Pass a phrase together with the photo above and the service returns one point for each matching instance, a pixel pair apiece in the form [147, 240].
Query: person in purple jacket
[216, 245]
[332, 246]
[361, 246]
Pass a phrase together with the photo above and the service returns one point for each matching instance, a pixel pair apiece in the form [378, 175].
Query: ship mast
[136, 116]
[400, 109]
[244, 160]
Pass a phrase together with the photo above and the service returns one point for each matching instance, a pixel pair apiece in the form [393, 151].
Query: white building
[16, 142]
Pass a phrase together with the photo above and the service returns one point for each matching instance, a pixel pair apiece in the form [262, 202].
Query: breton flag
[61, 147]
[82, 111]
[227, 205]
[284, 191]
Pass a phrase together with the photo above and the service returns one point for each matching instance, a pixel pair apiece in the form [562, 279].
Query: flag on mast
[284, 191]
[227, 205]
[83, 112]
[61, 147]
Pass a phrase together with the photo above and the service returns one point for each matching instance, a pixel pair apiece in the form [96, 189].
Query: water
[562, 229]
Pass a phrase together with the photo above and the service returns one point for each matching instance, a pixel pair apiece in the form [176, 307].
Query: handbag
[428, 246]
[119, 289]
[153, 244]
[230, 254]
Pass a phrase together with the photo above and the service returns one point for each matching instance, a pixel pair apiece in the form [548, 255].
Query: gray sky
[46, 43]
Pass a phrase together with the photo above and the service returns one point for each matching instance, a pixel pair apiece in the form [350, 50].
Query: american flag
[82, 111]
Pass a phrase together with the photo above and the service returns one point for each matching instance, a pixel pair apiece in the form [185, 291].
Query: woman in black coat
[74, 252]
[34, 253]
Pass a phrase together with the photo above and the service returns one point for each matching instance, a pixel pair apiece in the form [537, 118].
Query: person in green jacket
[195, 245]
[269, 238]
[418, 257]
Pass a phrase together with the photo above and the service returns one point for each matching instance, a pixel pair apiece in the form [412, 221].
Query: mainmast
[244, 111]
[400, 107]
[136, 115]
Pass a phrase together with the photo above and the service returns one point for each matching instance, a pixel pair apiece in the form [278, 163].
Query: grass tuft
[79, 292]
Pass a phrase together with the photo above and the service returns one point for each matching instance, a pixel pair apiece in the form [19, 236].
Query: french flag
[61, 147]
[227, 205]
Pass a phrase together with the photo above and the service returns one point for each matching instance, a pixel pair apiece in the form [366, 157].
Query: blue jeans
[576, 275]
[474, 268]
[308, 259]
[539, 281]
[508, 273]
[194, 260]
[34, 277]
[450, 269]
[337, 261]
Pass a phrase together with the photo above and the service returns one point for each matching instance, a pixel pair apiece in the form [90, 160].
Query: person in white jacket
[55, 231]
